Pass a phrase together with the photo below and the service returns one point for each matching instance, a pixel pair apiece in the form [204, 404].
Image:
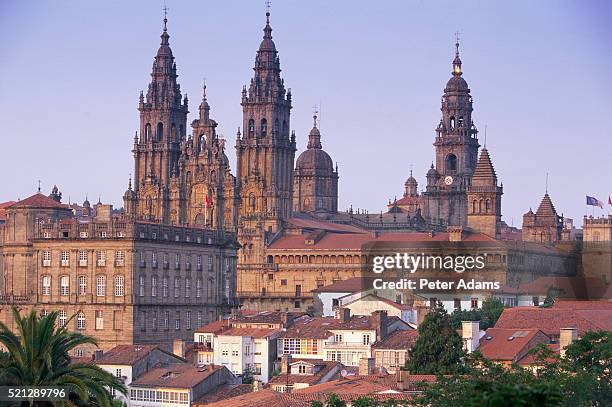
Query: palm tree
[38, 355]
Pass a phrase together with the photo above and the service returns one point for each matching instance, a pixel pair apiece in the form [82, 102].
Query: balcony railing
[272, 294]
[347, 344]
[14, 299]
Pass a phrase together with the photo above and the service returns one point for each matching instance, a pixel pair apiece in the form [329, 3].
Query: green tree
[247, 375]
[38, 355]
[487, 315]
[335, 401]
[438, 349]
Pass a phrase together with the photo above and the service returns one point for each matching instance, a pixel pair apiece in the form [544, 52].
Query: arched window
[452, 122]
[173, 132]
[480, 206]
[148, 132]
[160, 131]
[251, 128]
[252, 202]
[264, 127]
[460, 121]
[451, 162]
[487, 205]
[474, 206]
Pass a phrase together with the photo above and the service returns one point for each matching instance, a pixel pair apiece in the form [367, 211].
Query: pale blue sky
[71, 72]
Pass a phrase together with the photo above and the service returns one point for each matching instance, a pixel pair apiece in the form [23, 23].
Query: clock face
[448, 180]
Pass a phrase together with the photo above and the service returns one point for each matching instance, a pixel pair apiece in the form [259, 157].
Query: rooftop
[178, 375]
[398, 340]
[325, 367]
[126, 354]
[509, 344]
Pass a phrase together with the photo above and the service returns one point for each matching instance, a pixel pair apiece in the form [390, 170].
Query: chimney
[470, 333]
[286, 320]
[211, 367]
[566, 337]
[455, 233]
[379, 321]
[285, 362]
[343, 314]
[97, 354]
[366, 366]
[178, 348]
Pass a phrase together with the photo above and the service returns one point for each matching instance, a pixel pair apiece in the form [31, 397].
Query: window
[177, 285]
[188, 320]
[451, 162]
[153, 259]
[119, 258]
[198, 288]
[227, 265]
[65, 258]
[101, 286]
[118, 373]
[366, 339]
[337, 337]
[165, 287]
[474, 303]
[119, 286]
[62, 318]
[82, 258]
[210, 263]
[80, 321]
[283, 282]
[177, 321]
[302, 369]
[536, 301]
[264, 127]
[199, 262]
[177, 261]
[82, 285]
[166, 320]
[297, 304]
[141, 286]
[99, 319]
[154, 320]
[46, 258]
[187, 287]
[101, 258]
[78, 353]
[199, 320]
[46, 285]
[64, 285]
[457, 304]
[117, 320]
[153, 286]
[83, 234]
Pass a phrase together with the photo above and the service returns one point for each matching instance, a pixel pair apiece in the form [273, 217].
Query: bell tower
[456, 146]
[484, 198]
[265, 151]
[163, 119]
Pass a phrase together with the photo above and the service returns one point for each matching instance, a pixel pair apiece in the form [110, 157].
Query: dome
[456, 84]
[314, 159]
[432, 172]
[410, 181]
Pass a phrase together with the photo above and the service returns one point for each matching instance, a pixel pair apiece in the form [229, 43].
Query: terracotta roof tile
[178, 375]
[325, 368]
[214, 327]
[350, 285]
[252, 332]
[582, 305]
[510, 344]
[125, 354]
[223, 392]
[551, 320]
[320, 327]
[571, 287]
[38, 201]
[398, 340]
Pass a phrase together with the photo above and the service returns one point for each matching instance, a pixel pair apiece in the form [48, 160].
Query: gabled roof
[252, 332]
[398, 340]
[583, 305]
[38, 200]
[214, 327]
[375, 298]
[510, 344]
[321, 327]
[325, 368]
[177, 375]
[128, 354]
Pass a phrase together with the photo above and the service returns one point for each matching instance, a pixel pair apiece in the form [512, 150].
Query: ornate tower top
[314, 138]
[457, 60]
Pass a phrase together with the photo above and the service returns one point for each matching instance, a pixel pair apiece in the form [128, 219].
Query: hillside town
[213, 289]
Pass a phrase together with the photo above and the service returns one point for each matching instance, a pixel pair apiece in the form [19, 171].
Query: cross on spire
[315, 114]
[39, 186]
[165, 10]
[457, 42]
[268, 6]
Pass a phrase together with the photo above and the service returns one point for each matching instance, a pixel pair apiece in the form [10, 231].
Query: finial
[485, 140]
[165, 9]
[315, 112]
[411, 165]
[130, 183]
[268, 6]
[39, 186]
[457, 43]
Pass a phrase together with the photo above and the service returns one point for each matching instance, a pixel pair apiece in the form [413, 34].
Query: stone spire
[457, 60]
[484, 174]
[546, 207]
[164, 89]
[204, 106]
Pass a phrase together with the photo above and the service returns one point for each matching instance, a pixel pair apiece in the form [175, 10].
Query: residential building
[176, 385]
[391, 352]
[299, 373]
